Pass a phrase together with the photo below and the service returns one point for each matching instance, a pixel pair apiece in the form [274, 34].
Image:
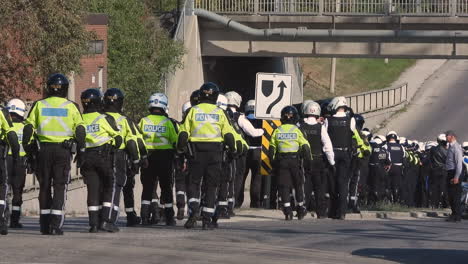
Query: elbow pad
[118, 141]
[142, 147]
[14, 145]
[132, 150]
[306, 153]
[80, 137]
[182, 141]
[27, 134]
[230, 142]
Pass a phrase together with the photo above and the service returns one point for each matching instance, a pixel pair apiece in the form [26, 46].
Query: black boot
[155, 214]
[44, 222]
[109, 227]
[14, 219]
[145, 214]
[222, 212]
[93, 229]
[180, 213]
[3, 227]
[169, 213]
[207, 224]
[56, 231]
[288, 213]
[301, 212]
[133, 219]
[230, 209]
[191, 222]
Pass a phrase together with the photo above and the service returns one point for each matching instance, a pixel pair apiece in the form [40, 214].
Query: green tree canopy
[140, 52]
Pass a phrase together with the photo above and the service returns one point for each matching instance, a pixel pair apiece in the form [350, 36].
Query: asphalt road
[439, 105]
[247, 239]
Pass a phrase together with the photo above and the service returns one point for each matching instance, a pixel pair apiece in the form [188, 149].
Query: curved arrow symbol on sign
[282, 86]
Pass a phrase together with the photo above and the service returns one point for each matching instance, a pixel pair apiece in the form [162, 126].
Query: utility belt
[69, 144]
[294, 155]
[106, 148]
[207, 146]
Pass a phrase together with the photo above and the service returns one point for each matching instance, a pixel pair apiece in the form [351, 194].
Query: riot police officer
[113, 103]
[287, 146]
[322, 154]
[160, 135]
[102, 138]
[206, 128]
[9, 139]
[341, 127]
[57, 123]
[438, 173]
[395, 174]
[378, 162]
[16, 170]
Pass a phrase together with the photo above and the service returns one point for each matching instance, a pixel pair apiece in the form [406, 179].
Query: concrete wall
[190, 77]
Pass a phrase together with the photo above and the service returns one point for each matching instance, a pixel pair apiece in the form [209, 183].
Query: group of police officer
[322, 161]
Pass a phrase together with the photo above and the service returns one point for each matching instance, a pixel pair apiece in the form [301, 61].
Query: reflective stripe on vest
[100, 140]
[164, 140]
[56, 113]
[197, 134]
[287, 145]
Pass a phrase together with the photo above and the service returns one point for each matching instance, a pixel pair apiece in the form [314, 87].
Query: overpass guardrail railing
[377, 100]
[337, 7]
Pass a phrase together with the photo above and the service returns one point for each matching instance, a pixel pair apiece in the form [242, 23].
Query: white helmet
[365, 133]
[233, 98]
[337, 102]
[392, 134]
[382, 138]
[311, 108]
[158, 100]
[250, 106]
[402, 140]
[222, 102]
[376, 140]
[442, 137]
[186, 106]
[16, 106]
[304, 104]
[430, 144]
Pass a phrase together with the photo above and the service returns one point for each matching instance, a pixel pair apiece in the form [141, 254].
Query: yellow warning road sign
[269, 126]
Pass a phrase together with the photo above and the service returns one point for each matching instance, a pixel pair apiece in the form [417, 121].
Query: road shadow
[415, 256]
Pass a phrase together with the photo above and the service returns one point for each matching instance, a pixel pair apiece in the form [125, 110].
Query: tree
[140, 52]
[39, 38]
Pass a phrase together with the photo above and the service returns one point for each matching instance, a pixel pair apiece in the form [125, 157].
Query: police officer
[250, 130]
[397, 156]
[57, 123]
[287, 146]
[102, 138]
[379, 161]
[322, 154]
[17, 170]
[113, 103]
[341, 127]
[358, 161]
[9, 139]
[160, 135]
[206, 128]
[438, 173]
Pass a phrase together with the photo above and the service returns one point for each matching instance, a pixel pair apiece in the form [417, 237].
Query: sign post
[273, 92]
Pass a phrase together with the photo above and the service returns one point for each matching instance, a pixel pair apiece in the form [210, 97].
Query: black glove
[80, 158]
[135, 166]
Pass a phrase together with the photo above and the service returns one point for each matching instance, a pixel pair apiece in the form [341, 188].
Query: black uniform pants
[454, 194]
[316, 183]
[363, 181]
[128, 193]
[290, 175]
[17, 178]
[339, 200]
[120, 179]
[395, 175]
[204, 167]
[240, 178]
[98, 176]
[160, 170]
[228, 175]
[377, 183]
[438, 187]
[354, 180]
[253, 165]
[3, 186]
[180, 183]
[53, 172]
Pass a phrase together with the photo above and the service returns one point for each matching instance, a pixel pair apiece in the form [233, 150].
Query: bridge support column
[332, 75]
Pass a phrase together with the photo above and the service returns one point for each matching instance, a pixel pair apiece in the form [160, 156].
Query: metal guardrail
[373, 101]
[337, 7]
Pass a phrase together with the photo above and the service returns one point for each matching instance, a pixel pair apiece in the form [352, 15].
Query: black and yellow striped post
[266, 165]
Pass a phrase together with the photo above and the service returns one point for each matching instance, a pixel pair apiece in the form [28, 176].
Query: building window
[96, 47]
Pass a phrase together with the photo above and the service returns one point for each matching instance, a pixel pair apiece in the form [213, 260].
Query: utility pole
[333, 75]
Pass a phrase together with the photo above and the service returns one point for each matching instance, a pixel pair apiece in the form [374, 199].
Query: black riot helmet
[289, 115]
[113, 100]
[91, 99]
[195, 98]
[209, 93]
[57, 85]
[359, 121]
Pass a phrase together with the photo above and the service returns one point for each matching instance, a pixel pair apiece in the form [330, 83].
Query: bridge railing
[376, 100]
[337, 7]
